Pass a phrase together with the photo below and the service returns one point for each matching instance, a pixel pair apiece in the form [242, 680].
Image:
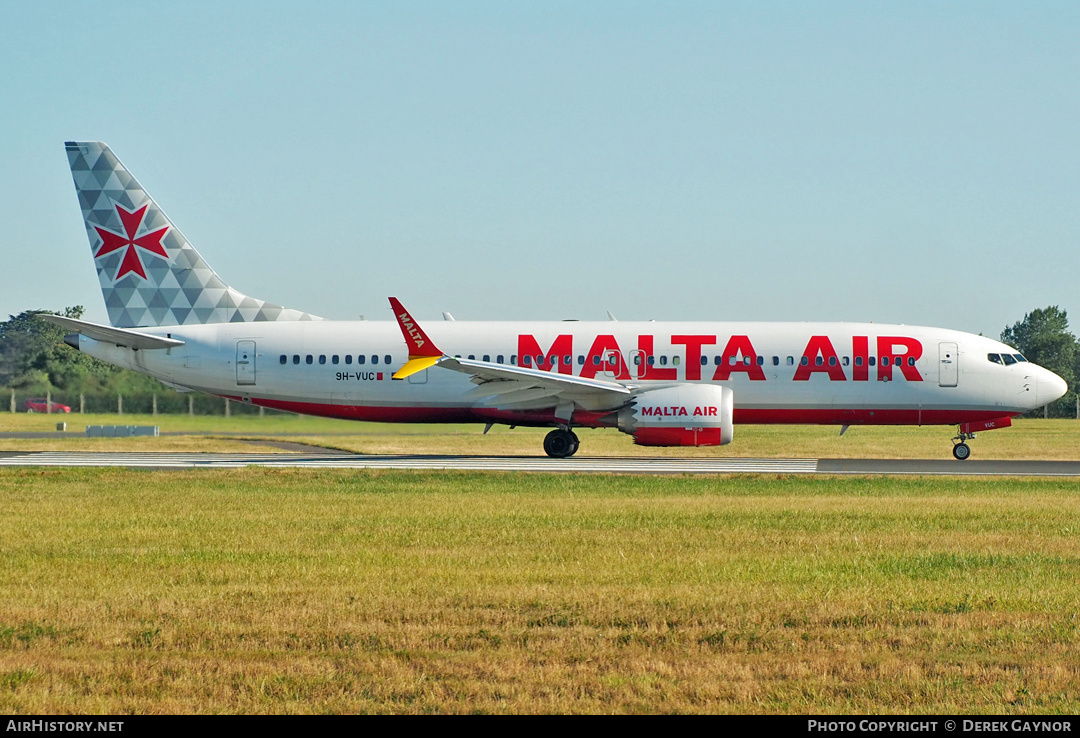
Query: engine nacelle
[683, 415]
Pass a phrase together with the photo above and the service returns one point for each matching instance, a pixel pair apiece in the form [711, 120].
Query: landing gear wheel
[961, 451]
[559, 444]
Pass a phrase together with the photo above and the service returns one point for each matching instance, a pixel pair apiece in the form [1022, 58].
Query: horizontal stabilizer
[124, 337]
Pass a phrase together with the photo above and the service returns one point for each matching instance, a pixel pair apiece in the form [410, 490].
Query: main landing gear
[960, 449]
[561, 443]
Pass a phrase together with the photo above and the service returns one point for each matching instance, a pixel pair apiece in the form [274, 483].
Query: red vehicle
[39, 406]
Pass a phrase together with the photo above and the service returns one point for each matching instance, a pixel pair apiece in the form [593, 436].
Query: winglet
[423, 353]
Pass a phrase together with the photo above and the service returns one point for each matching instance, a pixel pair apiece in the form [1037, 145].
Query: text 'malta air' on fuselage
[666, 384]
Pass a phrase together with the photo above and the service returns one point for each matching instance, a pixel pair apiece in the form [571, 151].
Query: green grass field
[324, 591]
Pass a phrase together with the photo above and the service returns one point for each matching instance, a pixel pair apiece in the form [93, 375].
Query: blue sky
[892, 161]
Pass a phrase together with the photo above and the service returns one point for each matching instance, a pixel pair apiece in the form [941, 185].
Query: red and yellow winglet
[422, 352]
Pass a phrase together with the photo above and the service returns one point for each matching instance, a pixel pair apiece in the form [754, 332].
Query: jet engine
[682, 415]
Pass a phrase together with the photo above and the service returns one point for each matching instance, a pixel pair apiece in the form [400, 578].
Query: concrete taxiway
[575, 465]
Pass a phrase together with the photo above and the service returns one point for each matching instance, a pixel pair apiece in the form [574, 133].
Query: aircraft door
[245, 362]
[612, 360]
[948, 364]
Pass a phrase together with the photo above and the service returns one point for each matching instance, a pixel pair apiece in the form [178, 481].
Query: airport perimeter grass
[1027, 439]
[326, 591]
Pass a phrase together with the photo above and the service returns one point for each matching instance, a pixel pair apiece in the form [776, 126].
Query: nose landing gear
[960, 449]
[561, 443]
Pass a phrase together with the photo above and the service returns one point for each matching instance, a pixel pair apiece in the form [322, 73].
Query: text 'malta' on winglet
[422, 351]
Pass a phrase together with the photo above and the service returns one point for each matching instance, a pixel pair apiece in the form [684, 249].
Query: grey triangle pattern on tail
[177, 289]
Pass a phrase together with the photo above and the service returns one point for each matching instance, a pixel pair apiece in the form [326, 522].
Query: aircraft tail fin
[149, 274]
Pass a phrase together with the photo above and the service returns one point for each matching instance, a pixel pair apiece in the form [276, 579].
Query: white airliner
[666, 384]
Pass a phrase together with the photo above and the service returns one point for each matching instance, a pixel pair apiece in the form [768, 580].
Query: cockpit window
[1008, 359]
[1019, 357]
[996, 358]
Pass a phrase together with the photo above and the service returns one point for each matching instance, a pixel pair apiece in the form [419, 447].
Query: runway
[575, 465]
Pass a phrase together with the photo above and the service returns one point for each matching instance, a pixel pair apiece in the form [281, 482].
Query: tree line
[35, 361]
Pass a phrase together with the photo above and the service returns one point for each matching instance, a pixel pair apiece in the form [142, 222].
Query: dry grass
[187, 444]
[1027, 439]
[326, 591]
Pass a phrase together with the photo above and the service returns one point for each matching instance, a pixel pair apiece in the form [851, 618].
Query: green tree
[34, 357]
[1043, 336]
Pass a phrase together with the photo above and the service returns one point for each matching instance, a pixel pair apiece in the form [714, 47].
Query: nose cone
[1048, 387]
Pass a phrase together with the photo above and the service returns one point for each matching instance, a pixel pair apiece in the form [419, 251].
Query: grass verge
[324, 591]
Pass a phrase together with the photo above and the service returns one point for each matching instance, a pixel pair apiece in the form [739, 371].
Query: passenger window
[513, 359]
[804, 361]
[871, 361]
[650, 360]
[472, 357]
[487, 357]
[1008, 359]
[676, 360]
[348, 358]
[819, 360]
[375, 358]
[284, 359]
[361, 359]
[832, 361]
[704, 360]
[663, 361]
[334, 359]
[322, 358]
[747, 360]
[567, 360]
[388, 359]
[309, 359]
[580, 360]
[776, 361]
[858, 361]
[499, 359]
[637, 359]
[911, 361]
[296, 358]
[596, 361]
[526, 359]
[791, 361]
[846, 360]
[718, 360]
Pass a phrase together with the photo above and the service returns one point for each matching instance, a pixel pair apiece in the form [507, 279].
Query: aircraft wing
[508, 387]
[108, 334]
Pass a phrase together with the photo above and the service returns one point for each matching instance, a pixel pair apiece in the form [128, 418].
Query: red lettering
[562, 346]
[693, 353]
[861, 351]
[912, 349]
[605, 348]
[830, 363]
[738, 348]
[647, 371]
